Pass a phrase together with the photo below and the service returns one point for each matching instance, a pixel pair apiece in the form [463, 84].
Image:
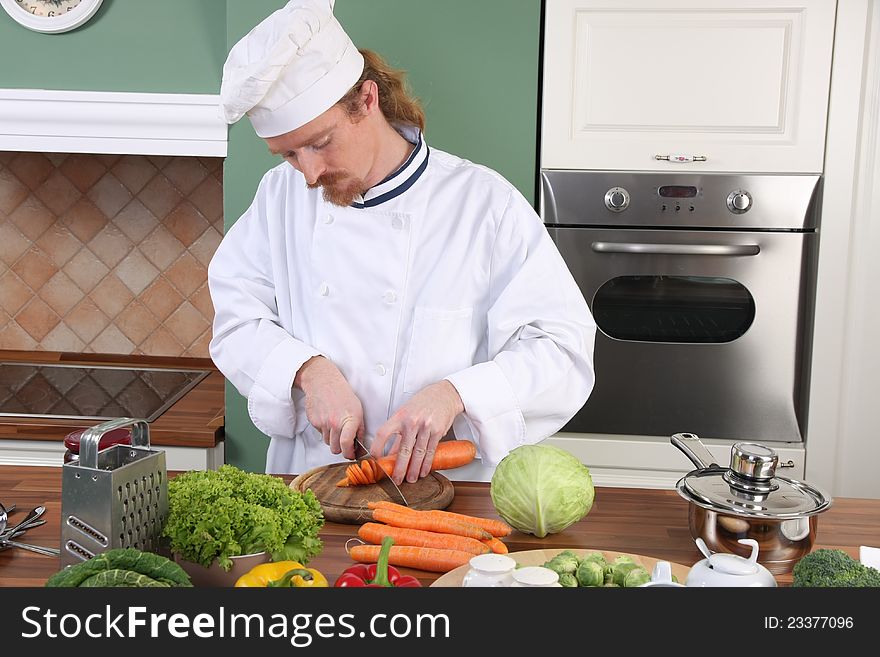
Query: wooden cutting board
[349, 504]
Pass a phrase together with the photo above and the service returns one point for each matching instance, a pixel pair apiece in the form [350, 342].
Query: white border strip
[51, 453]
[111, 122]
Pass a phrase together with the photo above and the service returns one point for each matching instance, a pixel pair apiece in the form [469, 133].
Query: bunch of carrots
[437, 541]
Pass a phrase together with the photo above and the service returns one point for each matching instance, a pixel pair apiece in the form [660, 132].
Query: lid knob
[753, 461]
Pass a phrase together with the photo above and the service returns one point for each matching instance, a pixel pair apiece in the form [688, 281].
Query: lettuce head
[540, 489]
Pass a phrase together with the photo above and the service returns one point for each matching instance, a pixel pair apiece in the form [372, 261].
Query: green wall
[168, 46]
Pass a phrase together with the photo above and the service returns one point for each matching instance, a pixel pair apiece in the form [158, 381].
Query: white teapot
[721, 569]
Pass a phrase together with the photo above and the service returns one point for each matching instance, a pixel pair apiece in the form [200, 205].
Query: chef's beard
[339, 188]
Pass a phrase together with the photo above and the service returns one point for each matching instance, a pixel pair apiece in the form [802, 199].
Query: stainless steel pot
[748, 500]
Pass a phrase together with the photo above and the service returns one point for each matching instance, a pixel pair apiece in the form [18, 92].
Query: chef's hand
[331, 405]
[419, 425]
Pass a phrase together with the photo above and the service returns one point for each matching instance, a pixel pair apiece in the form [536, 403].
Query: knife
[382, 478]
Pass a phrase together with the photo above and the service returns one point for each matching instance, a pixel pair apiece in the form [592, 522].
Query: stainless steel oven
[702, 288]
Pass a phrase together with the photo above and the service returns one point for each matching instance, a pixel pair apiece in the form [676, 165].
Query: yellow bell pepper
[290, 574]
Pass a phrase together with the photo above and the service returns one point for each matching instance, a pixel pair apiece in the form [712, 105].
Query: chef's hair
[398, 105]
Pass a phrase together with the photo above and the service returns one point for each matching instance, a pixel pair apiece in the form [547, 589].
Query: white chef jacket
[442, 270]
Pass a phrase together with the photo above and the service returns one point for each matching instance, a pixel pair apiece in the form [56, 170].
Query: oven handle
[677, 249]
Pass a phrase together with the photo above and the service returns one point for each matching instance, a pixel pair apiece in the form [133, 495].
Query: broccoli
[833, 568]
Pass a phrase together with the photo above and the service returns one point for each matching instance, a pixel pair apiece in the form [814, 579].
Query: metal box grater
[114, 498]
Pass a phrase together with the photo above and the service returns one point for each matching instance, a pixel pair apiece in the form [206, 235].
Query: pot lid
[715, 489]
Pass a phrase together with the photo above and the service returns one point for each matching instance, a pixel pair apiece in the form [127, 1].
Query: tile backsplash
[108, 253]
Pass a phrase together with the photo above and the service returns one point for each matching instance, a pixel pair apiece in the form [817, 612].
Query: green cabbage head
[540, 490]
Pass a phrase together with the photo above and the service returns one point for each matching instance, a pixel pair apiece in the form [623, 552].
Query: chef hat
[289, 69]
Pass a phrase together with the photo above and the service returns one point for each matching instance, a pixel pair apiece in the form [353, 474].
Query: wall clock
[51, 16]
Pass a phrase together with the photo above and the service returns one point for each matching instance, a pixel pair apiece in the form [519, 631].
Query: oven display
[677, 191]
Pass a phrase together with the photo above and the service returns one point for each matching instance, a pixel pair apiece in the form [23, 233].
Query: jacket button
[324, 290]
[397, 223]
[390, 296]
[380, 369]
[328, 219]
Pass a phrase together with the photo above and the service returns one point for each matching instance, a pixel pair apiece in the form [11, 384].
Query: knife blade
[387, 483]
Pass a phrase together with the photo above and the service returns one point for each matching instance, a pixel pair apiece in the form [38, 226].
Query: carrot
[428, 523]
[494, 527]
[367, 469]
[497, 546]
[373, 532]
[435, 560]
[449, 454]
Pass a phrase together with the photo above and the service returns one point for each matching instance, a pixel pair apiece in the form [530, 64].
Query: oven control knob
[617, 199]
[739, 201]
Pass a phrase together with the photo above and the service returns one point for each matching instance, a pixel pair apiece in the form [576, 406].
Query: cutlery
[39, 549]
[33, 515]
[21, 530]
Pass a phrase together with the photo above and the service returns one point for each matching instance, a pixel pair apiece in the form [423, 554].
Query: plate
[539, 557]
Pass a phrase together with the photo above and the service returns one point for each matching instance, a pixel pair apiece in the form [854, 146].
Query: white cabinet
[742, 83]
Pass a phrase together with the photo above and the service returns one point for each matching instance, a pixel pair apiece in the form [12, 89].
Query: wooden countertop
[195, 420]
[652, 523]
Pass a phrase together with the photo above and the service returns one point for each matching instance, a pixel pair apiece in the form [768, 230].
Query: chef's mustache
[328, 179]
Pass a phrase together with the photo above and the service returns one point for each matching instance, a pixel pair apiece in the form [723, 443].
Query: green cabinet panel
[162, 46]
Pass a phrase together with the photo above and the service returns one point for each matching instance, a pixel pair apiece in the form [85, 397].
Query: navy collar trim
[401, 180]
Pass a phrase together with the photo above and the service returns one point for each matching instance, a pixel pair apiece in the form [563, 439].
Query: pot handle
[694, 449]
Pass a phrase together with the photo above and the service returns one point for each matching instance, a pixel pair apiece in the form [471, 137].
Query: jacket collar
[404, 177]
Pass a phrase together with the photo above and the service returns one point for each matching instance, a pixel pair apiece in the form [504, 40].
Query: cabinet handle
[681, 158]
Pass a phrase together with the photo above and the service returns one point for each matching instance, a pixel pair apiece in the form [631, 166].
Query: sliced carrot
[435, 560]
[373, 532]
[428, 523]
[342, 483]
[367, 469]
[354, 475]
[498, 547]
[449, 454]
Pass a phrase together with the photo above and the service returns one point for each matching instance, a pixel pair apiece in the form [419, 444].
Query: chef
[378, 287]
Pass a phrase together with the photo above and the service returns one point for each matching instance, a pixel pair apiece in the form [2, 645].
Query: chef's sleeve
[540, 342]
[249, 345]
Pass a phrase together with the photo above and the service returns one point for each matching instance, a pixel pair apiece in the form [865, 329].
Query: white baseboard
[46, 453]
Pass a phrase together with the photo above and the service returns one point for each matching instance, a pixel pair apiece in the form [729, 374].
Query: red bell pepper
[376, 574]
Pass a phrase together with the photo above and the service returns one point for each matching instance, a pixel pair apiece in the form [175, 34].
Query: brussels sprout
[568, 580]
[598, 557]
[621, 571]
[611, 585]
[589, 573]
[622, 559]
[636, 577]
[563, 563]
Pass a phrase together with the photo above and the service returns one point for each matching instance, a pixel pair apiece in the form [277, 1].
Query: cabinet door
[743, 84]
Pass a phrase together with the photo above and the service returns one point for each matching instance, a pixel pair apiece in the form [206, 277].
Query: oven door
[699, 331]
